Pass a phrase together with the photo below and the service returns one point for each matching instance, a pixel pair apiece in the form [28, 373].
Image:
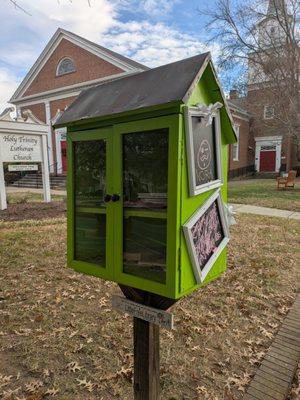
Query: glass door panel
[145, 188]
[90, 208]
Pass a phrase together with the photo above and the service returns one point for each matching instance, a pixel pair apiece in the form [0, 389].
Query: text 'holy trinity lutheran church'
[69, 63]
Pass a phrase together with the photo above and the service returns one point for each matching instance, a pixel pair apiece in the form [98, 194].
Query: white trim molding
[73, 67]
[272, 141]
[66, 91]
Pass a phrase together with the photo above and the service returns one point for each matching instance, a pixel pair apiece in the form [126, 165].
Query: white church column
[49, 136]
[278, 156]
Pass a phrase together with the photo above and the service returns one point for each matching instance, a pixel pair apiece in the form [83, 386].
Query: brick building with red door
[271, 148]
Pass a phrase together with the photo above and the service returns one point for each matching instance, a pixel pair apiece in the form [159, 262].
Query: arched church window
[65, 66]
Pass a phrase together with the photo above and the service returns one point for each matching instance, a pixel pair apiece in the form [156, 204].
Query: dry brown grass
[60, 339]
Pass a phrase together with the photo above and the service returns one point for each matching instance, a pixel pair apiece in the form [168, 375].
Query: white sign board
[150, 314]
[19, 167]
[18, 147]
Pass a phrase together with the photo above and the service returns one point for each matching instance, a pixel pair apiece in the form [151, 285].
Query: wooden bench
[288, 181]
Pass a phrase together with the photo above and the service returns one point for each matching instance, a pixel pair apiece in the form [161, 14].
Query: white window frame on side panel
[187, 229]
[207, 113]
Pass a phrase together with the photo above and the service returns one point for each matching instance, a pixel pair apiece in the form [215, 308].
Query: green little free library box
[147, 178]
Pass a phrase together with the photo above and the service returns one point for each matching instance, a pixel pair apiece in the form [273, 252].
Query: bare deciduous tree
[262, 42]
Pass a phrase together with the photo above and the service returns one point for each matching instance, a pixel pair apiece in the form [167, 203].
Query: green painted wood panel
[180, 279]
[204, 93]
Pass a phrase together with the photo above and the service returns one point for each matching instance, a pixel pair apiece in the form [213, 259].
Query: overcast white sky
[153, 32]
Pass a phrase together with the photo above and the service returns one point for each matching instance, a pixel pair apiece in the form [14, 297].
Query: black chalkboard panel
[204, 151]
[207, 234]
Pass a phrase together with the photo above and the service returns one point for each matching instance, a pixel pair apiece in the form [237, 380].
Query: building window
[236, 146]
[65, 66]
[269, 112]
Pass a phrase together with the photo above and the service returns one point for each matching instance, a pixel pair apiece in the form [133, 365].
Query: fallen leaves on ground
[60, 339]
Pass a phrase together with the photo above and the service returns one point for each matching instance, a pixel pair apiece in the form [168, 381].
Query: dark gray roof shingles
[157, 86]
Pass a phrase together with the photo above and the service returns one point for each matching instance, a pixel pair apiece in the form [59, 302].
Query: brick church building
[67, 65]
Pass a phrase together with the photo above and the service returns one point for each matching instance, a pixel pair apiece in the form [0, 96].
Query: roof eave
[197, 78]
[208, 62]
[137, 111]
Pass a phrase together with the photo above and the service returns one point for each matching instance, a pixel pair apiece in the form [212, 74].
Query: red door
[267, 161]
[63, 145]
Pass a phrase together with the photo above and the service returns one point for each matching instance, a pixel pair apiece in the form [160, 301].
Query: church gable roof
[120, 62]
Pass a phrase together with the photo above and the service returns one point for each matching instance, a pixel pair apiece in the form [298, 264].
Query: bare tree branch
[16, 5]
[265, 47]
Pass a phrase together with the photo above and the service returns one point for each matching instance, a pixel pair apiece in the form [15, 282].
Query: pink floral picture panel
[207, 234]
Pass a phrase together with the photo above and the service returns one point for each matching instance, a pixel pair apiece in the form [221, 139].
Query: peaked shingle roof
[157, 86]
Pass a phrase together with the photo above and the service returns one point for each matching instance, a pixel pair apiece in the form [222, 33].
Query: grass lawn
[263, 192]
[60, 339]
[28, 197]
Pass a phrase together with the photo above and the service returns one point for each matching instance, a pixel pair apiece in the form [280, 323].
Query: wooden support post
[146, 360]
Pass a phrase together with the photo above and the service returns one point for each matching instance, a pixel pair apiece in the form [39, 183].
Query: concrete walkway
[269, 212]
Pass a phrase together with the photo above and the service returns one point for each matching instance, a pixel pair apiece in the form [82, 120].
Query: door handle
[107, 198]
[115, 197]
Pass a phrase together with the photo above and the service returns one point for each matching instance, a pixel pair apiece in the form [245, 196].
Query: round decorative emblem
[204, 155]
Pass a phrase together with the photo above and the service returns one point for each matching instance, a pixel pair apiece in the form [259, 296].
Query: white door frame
[268, 141]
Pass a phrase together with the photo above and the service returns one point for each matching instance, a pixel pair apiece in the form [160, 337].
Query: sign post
[3, 202]
[146, 360]
[45, 170]
[149, 314]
